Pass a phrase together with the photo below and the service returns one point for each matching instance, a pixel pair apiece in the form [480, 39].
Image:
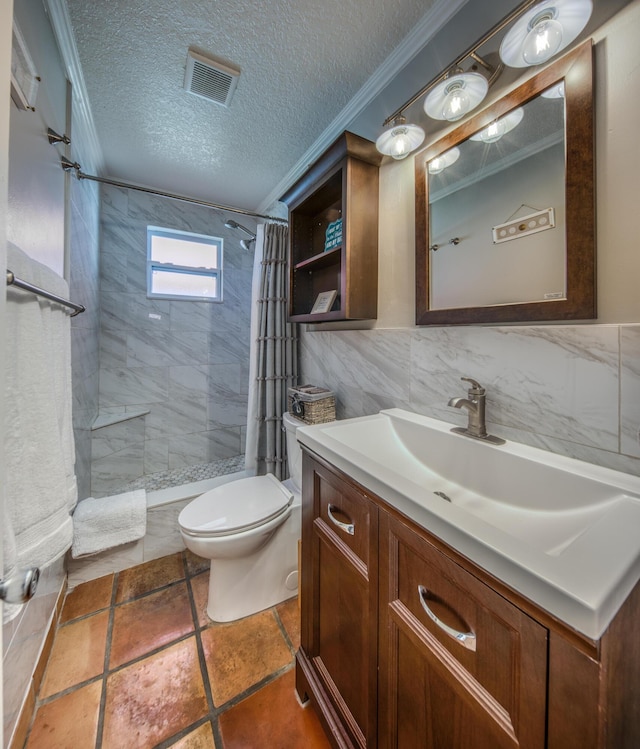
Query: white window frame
[186, 236]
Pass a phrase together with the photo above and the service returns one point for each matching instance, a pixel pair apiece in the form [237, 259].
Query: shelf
[341, 184]
[321, 260]
[107, 420]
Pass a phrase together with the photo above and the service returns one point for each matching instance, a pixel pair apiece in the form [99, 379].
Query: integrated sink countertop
[562, 532]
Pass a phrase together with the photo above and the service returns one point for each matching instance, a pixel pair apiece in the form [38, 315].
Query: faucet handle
[476, 388]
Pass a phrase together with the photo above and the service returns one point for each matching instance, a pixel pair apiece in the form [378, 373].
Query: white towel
[102, 523]
[40, 486]
[10, 567]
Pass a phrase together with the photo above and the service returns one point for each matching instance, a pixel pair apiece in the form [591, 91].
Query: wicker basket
[311, 404]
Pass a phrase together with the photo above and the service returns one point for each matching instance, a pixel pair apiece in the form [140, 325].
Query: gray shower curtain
[274, 355]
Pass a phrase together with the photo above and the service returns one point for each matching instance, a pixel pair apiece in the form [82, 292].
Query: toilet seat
[235, 507]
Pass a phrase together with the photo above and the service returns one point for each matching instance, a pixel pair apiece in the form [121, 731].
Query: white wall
[36, 181]
[6, 15]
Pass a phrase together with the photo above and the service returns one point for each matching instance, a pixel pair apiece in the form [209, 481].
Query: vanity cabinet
[339, 584]
[406, 644]
[342, 187]
[460, 667]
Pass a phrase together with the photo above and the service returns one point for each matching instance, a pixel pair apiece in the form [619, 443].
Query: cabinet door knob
[466, 639]
[346, 527]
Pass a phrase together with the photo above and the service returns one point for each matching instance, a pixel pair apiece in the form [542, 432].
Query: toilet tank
[294, 451]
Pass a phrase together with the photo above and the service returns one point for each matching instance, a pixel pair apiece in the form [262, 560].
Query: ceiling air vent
[210, 79]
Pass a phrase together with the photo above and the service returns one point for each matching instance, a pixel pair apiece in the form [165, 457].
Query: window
[181, 265]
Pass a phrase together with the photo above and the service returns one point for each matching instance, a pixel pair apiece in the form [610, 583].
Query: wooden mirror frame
[576, 68]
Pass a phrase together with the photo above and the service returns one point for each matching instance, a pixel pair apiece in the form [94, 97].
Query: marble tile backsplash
[184, 362]
[570, 389]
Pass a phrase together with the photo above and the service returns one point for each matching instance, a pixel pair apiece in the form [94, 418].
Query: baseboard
[23, 723]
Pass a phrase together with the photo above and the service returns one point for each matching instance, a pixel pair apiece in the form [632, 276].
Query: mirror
[505, 219]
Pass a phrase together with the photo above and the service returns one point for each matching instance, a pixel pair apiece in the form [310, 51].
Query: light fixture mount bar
[469, 52]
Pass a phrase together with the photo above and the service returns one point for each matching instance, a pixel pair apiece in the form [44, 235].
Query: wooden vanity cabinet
[382, 672]
[460, 667]
[337, 661]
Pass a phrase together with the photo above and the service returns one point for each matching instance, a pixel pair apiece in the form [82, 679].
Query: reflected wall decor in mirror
[505, 217]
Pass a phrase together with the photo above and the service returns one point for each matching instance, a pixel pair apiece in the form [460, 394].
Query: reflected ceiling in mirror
[523, 167]
[500, 195]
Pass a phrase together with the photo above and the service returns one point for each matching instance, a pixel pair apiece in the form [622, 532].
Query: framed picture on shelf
[323, 302]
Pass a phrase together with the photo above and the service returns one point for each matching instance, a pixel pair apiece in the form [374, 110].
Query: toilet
[249, 529]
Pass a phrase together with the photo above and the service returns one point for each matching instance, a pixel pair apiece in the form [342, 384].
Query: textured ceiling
[301, 63]
[308, 70]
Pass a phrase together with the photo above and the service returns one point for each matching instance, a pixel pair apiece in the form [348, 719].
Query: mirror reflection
[497, 211]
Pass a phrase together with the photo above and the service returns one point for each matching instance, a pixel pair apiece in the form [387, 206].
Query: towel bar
[13, 281]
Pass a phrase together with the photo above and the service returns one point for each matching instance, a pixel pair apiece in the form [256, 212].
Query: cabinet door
[340, 608]
[460, 667]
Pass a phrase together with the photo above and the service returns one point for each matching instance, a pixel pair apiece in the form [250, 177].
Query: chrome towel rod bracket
[19, 283]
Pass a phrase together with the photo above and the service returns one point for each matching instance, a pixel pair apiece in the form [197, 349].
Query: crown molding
[428, 26]
[85, 137]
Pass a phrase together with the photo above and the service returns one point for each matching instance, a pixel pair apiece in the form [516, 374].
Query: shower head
[231, 224]
[246, 244]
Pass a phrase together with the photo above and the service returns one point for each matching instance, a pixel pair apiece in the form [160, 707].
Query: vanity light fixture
[443, 161]
[400, 138]
[538, 31]
[543, 31]
[455, 96]
[496, 129]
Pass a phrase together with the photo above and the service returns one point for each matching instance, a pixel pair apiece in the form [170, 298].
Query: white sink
[564, 533]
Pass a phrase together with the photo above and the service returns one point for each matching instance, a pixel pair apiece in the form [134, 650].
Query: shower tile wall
[186, 363]
[570, 389]
[84, 236]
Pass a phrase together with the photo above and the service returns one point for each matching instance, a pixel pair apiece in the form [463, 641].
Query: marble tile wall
[84, 236]
[185, 362]
[570, 389]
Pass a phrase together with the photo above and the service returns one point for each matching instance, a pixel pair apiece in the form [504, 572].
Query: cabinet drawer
[488, 656]
[343, 514]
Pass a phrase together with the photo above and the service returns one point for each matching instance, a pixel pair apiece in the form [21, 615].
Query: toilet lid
[236, 506]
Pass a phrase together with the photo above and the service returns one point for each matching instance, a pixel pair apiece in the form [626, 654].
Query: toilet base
[243, 586]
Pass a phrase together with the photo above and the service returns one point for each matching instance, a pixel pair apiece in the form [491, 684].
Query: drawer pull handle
[346, 527]
[466, 639]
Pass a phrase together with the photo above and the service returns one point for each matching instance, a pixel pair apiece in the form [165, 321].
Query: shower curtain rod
[68, 165]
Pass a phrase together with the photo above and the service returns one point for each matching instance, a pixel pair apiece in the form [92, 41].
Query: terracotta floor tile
[87, 598]
[200, 589]
[243, 653]
[77, 654]
[195, 564]
[146, 577]
[289, 613]
[272, 718]
[201, 738]
[70, 722]
[150, 622]
[155, 698]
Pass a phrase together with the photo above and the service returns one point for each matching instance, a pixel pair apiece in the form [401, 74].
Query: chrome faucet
[474, 404]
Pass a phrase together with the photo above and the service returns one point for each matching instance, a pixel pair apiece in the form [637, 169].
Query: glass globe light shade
[493, 132]
[455, 96]
[542, 42]
[496, 129]
[443, 161]
[456, 103]
[543, 31]
[400, 139]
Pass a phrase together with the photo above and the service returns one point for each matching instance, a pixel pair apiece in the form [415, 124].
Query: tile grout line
[212, 716]
[107, 656]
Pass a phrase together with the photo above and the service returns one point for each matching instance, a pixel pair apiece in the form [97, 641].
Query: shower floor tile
[137, 663]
